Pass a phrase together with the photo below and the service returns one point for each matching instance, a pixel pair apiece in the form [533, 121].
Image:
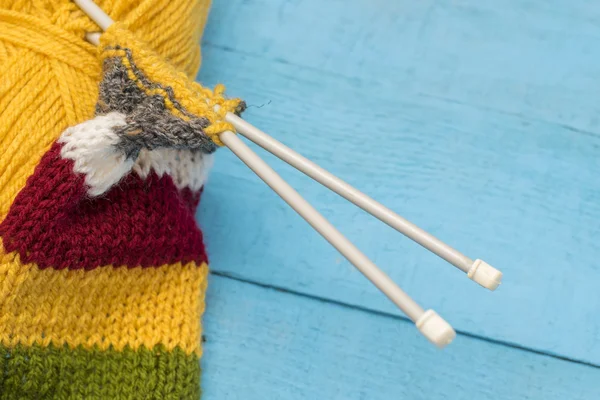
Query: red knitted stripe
[139, 222]
[190, 198]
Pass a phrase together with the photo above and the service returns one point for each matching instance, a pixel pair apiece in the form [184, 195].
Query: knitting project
[103, 156]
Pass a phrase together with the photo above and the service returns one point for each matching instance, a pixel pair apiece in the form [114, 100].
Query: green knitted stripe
[64, 373]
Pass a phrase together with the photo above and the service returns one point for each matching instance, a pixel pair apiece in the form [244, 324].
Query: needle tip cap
[435, 329]
[485, 275]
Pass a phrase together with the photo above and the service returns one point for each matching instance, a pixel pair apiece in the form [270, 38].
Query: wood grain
[476, 120]
[265, 344]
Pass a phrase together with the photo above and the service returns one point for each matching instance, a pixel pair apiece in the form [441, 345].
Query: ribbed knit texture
[37, 372]
[103, 156]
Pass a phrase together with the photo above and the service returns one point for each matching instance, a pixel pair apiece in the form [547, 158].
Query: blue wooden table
[477, 120]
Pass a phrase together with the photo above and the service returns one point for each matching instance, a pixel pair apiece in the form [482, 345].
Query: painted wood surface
[265, 344]
[476, 120]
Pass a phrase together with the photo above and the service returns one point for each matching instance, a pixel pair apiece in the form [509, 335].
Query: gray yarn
[150, 125]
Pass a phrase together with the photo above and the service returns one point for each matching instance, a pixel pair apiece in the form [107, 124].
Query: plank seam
[516, 346]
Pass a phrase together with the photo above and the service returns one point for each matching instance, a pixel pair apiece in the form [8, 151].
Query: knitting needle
[431, 325]
[478, 270]
[102, 19]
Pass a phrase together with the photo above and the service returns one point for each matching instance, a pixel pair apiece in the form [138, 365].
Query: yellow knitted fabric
[50, 74]
[101, 287]
[102, 308]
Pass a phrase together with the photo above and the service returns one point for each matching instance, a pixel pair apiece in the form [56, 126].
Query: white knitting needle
[478, 270]
[431, 325]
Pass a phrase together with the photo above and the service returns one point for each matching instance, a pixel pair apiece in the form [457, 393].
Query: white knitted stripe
[92, 147]
[188, 169]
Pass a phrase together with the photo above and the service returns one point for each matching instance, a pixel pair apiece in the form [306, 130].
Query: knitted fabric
[103, 156]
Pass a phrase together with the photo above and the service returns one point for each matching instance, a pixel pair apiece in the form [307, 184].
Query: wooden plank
[505, 206]
[517, 188]
[534, 58]
[264, 344]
